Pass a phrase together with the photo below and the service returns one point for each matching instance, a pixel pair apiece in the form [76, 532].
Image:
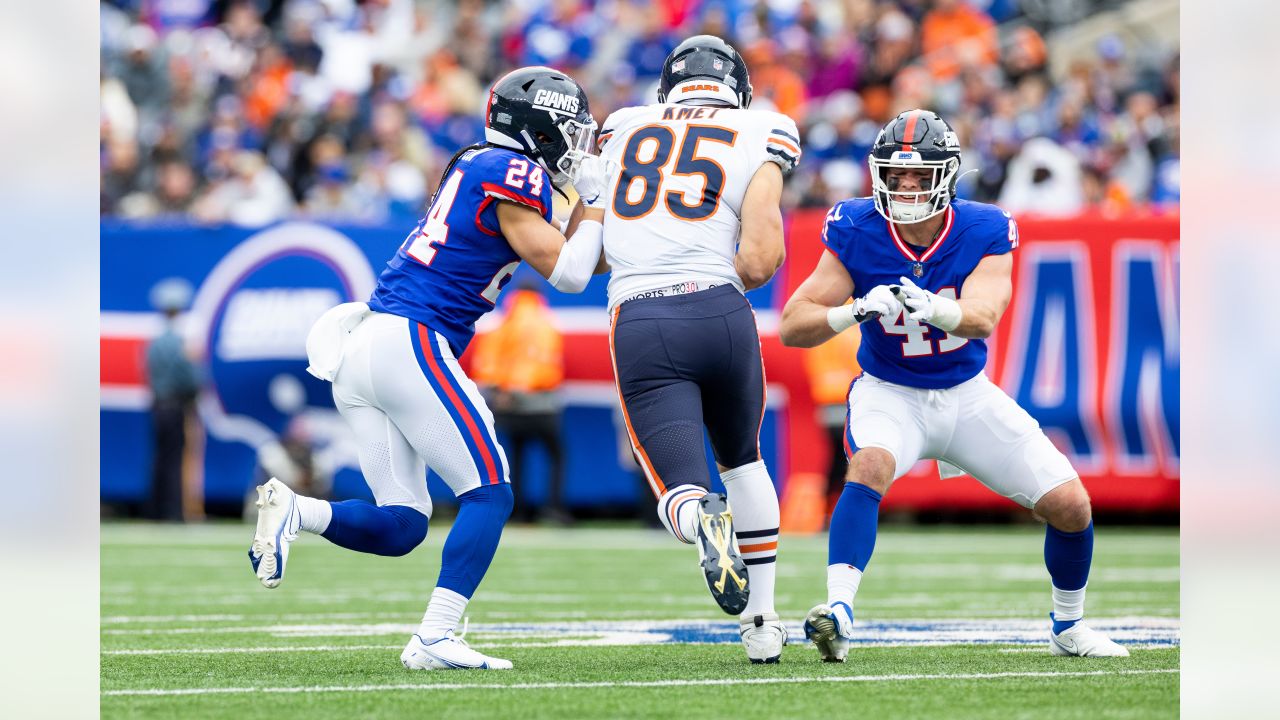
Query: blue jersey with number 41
[899, 349]
[450, 269]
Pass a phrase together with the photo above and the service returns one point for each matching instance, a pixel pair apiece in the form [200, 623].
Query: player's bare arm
[804, 318]
[984, 296]
[760, 248]
[567, 264]
[575, 217]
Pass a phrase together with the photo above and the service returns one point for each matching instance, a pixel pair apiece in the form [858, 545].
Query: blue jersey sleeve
[503, 175]
[1001, 233]
[837, 232]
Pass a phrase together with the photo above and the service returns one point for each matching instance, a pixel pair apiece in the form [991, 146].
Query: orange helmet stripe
[910, 131]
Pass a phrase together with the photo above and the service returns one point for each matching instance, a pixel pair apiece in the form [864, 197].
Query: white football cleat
[278, 523]
[447, 653]
[830, 627]
[1083, 641]
[764, 637]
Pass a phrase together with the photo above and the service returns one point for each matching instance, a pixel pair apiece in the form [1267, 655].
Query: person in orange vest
[831, 367]
[519, 366]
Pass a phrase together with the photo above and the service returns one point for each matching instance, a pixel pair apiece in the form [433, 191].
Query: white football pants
[974, 426]
[412, 408]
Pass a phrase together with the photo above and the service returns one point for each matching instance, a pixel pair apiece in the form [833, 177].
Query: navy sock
[473, 540]
[853, 526]
[387, 530]
[1068, 557]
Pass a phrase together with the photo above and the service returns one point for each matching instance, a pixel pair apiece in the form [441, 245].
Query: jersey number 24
[433, 230]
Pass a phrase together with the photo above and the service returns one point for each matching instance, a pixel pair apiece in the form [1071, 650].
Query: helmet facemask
[561, 155]
[903, 206]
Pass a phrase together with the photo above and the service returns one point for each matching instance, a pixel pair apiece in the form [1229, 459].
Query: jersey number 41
[914, 341]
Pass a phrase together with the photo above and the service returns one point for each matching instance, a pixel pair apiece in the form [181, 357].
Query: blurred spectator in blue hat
[330, 197]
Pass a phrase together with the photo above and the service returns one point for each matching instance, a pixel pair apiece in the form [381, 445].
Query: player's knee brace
[413, 530]
[391, 530]
[498, 495]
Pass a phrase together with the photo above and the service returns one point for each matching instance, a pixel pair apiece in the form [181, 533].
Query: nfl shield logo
[717, 64]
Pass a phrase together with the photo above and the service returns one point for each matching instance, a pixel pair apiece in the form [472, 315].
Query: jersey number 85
[648, 151]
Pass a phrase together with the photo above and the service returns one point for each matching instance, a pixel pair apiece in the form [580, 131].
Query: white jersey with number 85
[674, 212]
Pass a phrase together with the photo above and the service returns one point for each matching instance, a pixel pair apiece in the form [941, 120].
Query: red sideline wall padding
[1089, 345]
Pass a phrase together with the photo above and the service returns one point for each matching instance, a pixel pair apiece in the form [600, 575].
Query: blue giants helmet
[541, 113]
[915, 139]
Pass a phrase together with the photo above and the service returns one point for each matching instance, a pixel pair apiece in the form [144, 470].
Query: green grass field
[615, 622]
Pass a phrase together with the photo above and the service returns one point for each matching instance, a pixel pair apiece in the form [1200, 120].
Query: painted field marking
[1149, 630]
[632, 684]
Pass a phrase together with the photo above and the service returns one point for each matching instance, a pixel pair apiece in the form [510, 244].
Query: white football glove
[880, 302]
[591, 180]
[924, 306]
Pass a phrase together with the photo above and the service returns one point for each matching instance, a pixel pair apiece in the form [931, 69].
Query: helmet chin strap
[908, 212]
[905, 212]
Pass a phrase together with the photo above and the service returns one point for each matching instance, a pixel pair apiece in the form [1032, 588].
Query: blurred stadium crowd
[250, 111]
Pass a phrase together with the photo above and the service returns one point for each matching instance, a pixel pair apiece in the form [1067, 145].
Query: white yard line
[236, 651]
[633, 684]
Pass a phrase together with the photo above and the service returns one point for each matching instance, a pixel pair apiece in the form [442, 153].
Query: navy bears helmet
[915, 139]
[705, 67]
[541, 113]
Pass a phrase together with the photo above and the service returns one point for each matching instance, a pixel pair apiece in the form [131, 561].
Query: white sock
[1068, 604]
[754, 504]
[314, 514]
[842, 583]
[678, 511]
[444, 613]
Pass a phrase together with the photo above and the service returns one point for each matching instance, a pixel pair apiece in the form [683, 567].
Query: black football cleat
[722, 564]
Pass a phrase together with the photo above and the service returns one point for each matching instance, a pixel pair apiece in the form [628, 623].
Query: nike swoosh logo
[1068, 645]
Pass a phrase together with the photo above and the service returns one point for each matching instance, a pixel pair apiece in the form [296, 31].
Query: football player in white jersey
[693, 222]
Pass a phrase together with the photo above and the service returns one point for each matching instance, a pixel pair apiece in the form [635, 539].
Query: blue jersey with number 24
[901, 350]
[450, 269]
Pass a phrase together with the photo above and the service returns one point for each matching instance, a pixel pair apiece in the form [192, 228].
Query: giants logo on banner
[257, 296]
[250, 320]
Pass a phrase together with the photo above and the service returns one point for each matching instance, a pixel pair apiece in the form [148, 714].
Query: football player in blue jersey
[393, 360]
[931, 276]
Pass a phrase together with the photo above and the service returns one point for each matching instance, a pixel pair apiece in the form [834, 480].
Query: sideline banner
[1089, 346]
[257, 291]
